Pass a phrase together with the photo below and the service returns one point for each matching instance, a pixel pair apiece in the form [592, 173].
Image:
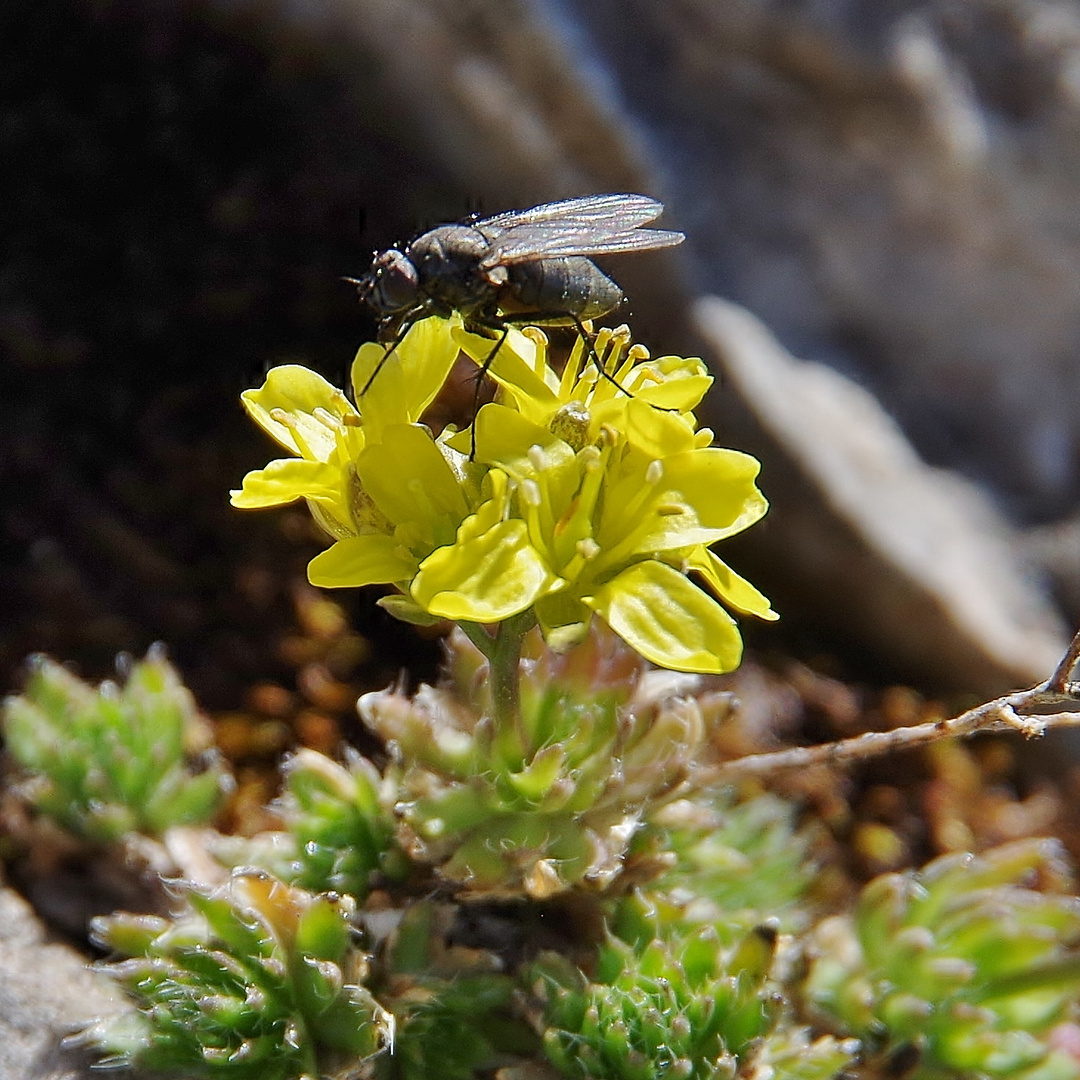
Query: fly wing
[528, 243]
[605, 212]
[591, 225]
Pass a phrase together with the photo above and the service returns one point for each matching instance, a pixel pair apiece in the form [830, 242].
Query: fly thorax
[447, 261]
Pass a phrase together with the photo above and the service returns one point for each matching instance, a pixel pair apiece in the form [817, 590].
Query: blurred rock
[892, 188]
[1056, 547]
[904, 560]
[46, 994]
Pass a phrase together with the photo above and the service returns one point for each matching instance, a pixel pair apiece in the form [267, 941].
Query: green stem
[503, 652]
[476, 633]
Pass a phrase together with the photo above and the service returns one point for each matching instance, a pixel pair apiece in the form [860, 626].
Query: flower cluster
[573, 495]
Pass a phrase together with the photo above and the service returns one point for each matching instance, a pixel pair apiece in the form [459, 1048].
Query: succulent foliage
[257, 981]
[681, 1006]
[549, 803]
[122, 758]
[455, 1010]
[338, 831]
[732, 864]
[962, 961]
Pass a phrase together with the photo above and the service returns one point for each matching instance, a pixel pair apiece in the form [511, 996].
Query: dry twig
[1052, 704]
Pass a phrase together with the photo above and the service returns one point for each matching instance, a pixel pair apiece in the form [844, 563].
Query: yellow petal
[671, 382]
[408, 380]
[641, 519]
[361, 560]
[719, 485]
[735, 591]
[298, 393]
[653, 432]
[487, 578]
[409, 480]
[287, 479]
[670, 621]
[504, 437]
[514, 367]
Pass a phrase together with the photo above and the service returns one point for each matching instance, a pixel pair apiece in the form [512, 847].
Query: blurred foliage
[123, 758]
[963, 962]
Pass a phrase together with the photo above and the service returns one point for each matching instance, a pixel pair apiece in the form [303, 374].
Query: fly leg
[492, 326]
[500, 325]
[404, 326]
[586, 339]
[553, 318]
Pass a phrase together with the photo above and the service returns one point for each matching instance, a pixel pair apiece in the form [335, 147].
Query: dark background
[181, 192]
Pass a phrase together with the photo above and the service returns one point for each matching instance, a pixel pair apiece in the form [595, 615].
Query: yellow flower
[570, 498]
[632, 382]
[617, 530]
[622, 496]
[429, 507]
[316, 422]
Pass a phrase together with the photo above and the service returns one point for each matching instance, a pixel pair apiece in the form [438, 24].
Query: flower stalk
[502, 650]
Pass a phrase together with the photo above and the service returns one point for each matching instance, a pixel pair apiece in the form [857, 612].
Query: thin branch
[1052, 704]
[1059, 679]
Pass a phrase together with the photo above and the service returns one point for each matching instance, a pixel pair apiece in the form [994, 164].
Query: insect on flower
[522, 267]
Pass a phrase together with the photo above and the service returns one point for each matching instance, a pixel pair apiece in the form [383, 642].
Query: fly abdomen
[559, 291]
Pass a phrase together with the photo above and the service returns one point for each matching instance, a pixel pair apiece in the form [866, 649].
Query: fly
[522, 267]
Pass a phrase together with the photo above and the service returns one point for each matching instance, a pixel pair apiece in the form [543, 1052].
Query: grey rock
[47, 992]
[911, 561]
[893, 188]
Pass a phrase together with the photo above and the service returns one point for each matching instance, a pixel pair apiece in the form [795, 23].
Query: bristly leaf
[257, 981]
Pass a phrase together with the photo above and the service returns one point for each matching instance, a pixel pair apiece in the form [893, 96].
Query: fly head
[391, 286]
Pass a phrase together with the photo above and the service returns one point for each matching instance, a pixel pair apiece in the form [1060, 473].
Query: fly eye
[395, 281]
